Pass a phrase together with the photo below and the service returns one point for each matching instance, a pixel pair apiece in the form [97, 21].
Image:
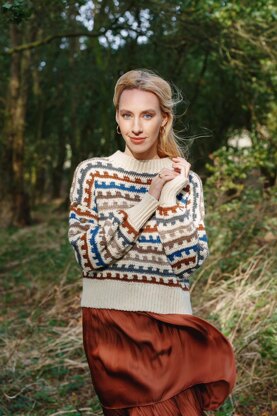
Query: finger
[168, 170]
[169, 176]
[183, 170]
[178, 159]
[173, 173]
[181, 162]
[176, 166]
[180, 166]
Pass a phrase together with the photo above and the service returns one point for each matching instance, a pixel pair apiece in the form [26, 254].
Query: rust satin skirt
[150, 364]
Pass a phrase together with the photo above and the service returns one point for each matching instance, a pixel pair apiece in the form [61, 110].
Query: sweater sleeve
[181, 227]
[98, 245]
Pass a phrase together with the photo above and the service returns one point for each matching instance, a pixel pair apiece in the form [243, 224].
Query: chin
[139, 149]
[143, 147]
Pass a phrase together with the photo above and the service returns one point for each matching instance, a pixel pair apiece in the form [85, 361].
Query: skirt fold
[187, 402]
[144, 363]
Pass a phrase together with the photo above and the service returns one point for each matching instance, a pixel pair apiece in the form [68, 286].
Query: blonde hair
[147, 80]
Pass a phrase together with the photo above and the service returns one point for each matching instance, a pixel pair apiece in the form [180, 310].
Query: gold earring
[119, 132]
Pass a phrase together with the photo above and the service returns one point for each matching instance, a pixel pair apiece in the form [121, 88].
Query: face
[139, 117]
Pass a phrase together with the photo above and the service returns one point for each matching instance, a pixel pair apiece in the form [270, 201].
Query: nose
[136, 128]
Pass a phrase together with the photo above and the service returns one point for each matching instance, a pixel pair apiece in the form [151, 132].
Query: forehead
[138, 100]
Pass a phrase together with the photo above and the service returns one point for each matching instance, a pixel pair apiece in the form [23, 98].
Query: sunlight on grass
[44, 370]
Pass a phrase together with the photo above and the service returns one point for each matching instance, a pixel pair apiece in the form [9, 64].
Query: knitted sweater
[136, 253]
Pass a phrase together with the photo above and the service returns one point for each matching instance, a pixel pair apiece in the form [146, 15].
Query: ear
[116, 117]
[165, 119]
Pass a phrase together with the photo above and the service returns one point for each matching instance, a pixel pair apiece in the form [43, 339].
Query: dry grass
[45, 371]
[44, 367]
[242, 304]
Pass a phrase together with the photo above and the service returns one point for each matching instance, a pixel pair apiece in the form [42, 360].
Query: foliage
[220, 54]
[234, 169]
[17, 11]
[236, 289]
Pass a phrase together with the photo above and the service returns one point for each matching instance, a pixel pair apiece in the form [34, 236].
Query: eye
[148, 115]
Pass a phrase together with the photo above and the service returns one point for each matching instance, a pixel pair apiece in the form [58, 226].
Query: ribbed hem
[142, 211]
[171, 189]
[135, 296]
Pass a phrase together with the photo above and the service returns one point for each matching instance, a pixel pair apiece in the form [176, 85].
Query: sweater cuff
[142, 211]
[171, 189]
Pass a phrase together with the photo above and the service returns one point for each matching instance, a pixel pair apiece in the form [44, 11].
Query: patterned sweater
[136, 253]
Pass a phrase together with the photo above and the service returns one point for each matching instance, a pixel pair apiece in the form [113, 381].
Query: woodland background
[59, 61]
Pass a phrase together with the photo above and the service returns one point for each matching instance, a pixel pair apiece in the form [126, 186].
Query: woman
[137, 229]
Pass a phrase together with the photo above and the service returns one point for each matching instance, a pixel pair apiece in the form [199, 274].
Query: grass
[236, 291]
[44, 370]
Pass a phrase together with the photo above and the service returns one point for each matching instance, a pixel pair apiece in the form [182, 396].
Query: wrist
[155, 195]
[171, 189]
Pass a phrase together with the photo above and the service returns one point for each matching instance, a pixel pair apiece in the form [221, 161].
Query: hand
[165, 175]
[181, 165]
[177, 176]
[174, 186]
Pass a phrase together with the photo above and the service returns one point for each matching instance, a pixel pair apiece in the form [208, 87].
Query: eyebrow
[145, 111]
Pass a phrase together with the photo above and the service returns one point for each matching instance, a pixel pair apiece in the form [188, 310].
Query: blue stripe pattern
[122, 187]
[186, 250]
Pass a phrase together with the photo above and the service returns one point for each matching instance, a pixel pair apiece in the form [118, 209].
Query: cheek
[154, 126]
[125, 124]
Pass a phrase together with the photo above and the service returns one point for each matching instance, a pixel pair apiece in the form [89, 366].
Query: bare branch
[49, 39]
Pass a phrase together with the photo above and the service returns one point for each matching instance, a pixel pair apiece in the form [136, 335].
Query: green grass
[42, 360]
[236, 291]
[43, 365]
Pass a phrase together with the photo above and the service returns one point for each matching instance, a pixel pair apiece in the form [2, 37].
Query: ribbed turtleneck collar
[147, 165]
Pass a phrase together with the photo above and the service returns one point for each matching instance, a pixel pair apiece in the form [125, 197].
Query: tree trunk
[14, 132]
[57, 175]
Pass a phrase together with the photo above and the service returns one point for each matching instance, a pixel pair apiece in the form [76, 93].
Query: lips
[137, 139]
